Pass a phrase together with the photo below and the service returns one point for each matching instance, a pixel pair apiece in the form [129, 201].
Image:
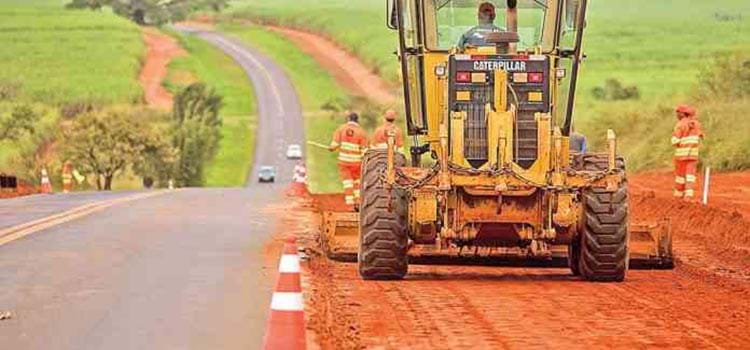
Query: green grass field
[657, 46]
[56, 56]
[51, 57]
[315, 88]
[205, 63]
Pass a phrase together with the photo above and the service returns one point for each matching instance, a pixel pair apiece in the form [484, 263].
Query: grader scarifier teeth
[340, 236]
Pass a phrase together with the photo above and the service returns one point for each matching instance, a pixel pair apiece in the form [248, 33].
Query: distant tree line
[151, 12]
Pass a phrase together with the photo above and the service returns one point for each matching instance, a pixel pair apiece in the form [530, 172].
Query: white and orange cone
[46, 185]
[298, 187]
[286, 321]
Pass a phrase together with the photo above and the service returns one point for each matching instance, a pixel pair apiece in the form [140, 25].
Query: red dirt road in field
[346, 68]
[703, 303]
[160, 50]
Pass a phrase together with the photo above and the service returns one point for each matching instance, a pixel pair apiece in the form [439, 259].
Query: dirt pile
[329, 202]
[24, 189]
[728, 191]
[706, 238]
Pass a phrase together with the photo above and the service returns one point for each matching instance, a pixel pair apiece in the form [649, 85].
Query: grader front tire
[604, 235]
[383, 236]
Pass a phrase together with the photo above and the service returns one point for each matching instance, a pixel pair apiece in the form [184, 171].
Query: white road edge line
[19, 231]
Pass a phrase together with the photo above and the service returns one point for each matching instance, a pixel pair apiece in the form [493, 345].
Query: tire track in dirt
[161, 49]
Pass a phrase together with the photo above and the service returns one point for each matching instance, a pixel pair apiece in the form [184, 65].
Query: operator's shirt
[477, 35]
[351, 141]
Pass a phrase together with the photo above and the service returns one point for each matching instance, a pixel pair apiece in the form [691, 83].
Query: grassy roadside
[316, 89]
[205, 63]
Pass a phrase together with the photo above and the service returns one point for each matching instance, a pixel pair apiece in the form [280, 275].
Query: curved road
[182, 270]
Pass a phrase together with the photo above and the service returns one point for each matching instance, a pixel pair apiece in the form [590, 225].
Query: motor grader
[490, 172]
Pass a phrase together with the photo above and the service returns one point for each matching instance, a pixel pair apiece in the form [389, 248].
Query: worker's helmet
[353, 117]
[685, 110]
[390, 115]
[488, 9]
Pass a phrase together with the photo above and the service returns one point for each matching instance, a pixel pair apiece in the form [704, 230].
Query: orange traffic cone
[46, 185]
[298, 186]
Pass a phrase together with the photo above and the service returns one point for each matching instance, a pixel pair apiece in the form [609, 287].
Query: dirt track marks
[485, 307]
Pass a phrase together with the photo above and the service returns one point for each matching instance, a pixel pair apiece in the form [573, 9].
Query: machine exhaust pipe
[511, 22]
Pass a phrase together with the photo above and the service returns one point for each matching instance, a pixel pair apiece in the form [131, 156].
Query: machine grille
[475, 125]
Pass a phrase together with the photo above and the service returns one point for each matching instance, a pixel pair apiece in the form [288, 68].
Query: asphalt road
[279, 112]
[182, 270]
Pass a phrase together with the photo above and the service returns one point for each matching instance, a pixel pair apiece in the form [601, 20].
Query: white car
[294, 151]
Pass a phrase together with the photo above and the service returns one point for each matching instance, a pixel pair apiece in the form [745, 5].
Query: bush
[9, 90]
[613, 90]
[728, 76]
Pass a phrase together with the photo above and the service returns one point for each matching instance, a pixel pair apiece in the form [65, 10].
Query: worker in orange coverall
[686, 139]
[350, 141]
[380, 138]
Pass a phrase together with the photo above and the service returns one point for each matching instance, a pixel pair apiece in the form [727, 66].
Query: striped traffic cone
[46, 185]
[298, 187]
[286, 321]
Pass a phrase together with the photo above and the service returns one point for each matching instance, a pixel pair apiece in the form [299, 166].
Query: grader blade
[651, 246]
[340, 238]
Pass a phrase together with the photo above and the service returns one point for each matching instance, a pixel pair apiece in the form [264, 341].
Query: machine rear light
[520, 77]
[463, 77]
[536, 77]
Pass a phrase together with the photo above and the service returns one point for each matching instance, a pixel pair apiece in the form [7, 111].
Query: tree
[158, 158]
[21, 121]
[196, 136]
[105, 143]
[156, 12]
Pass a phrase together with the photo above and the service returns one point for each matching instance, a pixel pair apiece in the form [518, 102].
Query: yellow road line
[11, 234]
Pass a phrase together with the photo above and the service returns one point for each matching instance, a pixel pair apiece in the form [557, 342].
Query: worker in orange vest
[350, 141]
[686, 139]
[380, 138]
[67, 176]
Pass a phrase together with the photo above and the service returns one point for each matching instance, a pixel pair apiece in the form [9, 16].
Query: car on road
[267, 174]
[294, 151]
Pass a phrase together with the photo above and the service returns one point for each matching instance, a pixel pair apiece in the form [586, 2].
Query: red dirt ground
[345, 67]
[160, 50]
[702, 303]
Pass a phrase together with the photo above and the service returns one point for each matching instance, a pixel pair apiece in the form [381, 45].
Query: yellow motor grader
[491, 173]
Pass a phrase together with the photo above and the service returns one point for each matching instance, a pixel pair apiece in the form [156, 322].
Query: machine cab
[499, 85]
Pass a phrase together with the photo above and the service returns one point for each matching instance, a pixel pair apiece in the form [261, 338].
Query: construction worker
[686, 139]
[67, 176]
[380, 138]
[350, 141]
[476, 36]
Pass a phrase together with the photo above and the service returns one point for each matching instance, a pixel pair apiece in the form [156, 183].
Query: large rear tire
[383, 238]
[603, 244]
